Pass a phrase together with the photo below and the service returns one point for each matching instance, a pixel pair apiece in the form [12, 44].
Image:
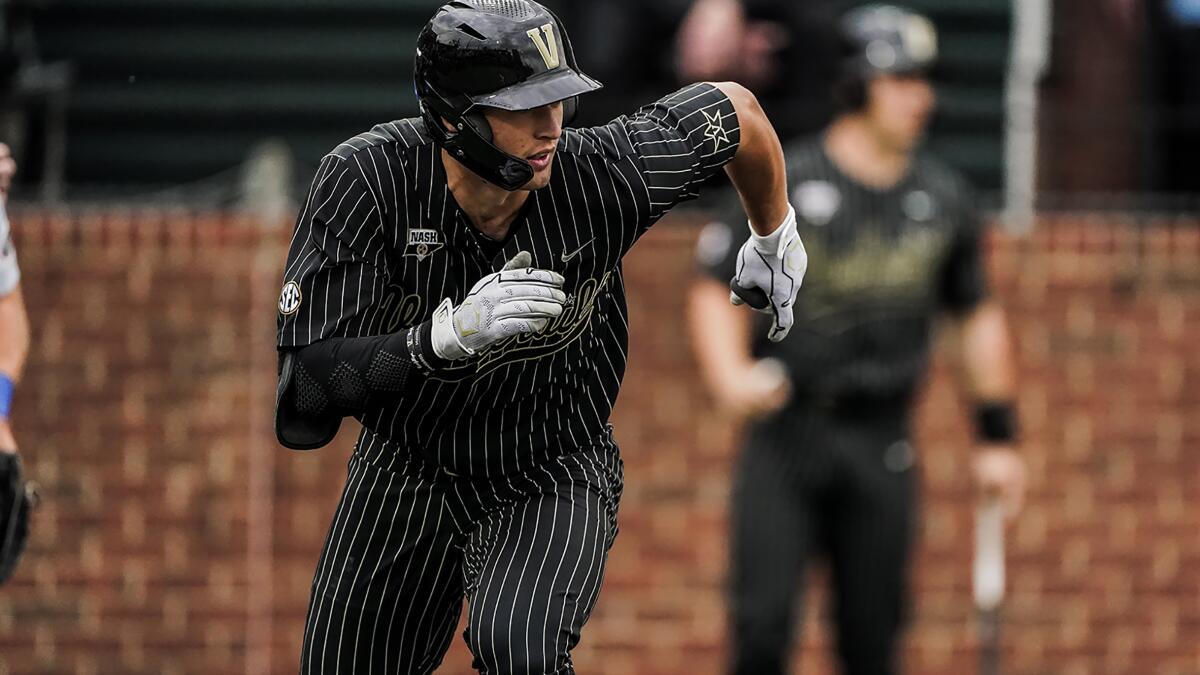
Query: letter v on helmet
[547, 47]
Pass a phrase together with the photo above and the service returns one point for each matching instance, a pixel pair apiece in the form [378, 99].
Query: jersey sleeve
[336, 268]
[964, 277]
[681, 140]
[10, 273]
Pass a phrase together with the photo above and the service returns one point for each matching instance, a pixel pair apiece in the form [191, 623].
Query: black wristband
[420, 349]
[995, 422]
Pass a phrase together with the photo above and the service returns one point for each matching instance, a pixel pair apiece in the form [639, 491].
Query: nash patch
[423, 243]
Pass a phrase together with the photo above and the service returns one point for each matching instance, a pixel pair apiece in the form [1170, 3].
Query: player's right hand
[999, 472]
[517, 299]
[769, 272]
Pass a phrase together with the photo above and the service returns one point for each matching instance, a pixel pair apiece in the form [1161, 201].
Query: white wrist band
[444, 336]
[772, 244]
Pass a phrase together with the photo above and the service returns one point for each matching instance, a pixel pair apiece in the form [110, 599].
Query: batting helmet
[507, 54]
[882, 39]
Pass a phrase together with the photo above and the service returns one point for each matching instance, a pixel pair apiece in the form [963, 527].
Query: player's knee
[523, 663]
[509, 650]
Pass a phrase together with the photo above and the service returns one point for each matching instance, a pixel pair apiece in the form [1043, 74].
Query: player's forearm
[14, 335]
[720, 334]
[758, 171]
[988, 364]
[345, 375]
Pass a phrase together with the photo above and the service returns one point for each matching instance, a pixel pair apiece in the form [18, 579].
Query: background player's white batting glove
[517, 299]
[769, 272]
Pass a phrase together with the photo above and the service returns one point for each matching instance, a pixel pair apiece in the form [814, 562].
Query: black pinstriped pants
[409, 542]
[837, 481]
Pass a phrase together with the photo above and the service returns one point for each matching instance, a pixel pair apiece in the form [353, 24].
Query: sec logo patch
[289, 298]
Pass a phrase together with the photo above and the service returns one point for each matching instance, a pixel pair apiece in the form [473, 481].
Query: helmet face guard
[506, 54]
[882, 40]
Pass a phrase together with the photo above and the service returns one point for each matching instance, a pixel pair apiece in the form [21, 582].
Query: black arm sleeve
[323, 382]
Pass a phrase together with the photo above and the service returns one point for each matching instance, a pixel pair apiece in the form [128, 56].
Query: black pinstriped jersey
[381, 242]
[881, 263]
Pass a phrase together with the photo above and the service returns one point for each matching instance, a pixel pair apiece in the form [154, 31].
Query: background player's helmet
[508, 54]
[878, 40]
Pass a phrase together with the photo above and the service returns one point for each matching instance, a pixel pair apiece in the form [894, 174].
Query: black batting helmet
[882, 39]
[508, 54]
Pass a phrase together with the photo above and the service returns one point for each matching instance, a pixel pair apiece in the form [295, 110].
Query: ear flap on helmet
[476, 120]
[470, 143]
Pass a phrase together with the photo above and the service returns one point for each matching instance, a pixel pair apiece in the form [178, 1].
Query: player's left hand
[769, 272]
[999, 471]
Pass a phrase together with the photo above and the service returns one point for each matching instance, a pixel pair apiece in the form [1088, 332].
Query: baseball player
[14, 347]
[454, 283]
[827, 467]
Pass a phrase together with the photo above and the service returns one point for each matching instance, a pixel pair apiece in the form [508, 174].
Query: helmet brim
[539, 91]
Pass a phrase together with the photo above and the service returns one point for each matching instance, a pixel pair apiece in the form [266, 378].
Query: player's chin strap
[471, 144]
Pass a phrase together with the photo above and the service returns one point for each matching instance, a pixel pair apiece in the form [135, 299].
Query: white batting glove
[517, 299]
[769, 272]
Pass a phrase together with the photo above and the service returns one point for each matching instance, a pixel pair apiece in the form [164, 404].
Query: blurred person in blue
[14, 325]
[14, 347]
[827, 467]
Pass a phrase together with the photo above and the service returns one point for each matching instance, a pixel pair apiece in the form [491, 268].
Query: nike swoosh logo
[567, 257]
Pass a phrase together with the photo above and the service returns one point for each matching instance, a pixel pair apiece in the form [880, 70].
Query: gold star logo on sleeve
[715, 131]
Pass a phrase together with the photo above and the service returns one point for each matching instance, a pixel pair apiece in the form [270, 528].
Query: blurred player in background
[14, 325]
[894, 241]
[14, 347]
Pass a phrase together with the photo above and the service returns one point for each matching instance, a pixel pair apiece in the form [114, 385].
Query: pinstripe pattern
[499, 479]
[409, 541]
[531, 397]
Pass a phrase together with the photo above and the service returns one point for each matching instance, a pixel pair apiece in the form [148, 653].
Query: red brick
[137, 415]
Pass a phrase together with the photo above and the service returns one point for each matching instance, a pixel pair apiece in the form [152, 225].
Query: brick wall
[177, 538]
